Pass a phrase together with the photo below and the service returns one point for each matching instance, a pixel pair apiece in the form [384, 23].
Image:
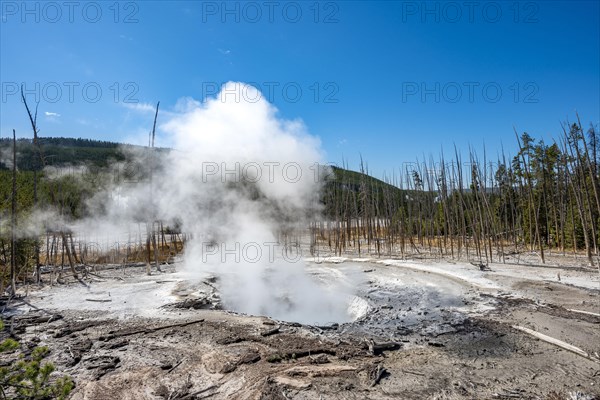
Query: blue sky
[391, 81]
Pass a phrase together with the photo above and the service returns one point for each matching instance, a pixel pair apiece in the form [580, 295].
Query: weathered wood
[270, 332]
[194, 395]
[13, 219]
[38, 319]
[556, 342]
[277, 357]
[36, 153]
[379, 373]
[378, 348]
[113, 335]
[102, 365]
[70, 329]
[331, 327]
[584, 312]
[68, 252]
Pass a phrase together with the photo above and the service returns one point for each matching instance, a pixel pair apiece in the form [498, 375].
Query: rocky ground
[421, 330]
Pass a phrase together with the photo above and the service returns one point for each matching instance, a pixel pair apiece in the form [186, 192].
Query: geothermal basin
[385, 299]
[351, 328]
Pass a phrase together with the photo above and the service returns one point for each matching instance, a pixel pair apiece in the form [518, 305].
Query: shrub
[27, 377]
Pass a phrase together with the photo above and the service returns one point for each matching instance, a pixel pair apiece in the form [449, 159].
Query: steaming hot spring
[240, 183]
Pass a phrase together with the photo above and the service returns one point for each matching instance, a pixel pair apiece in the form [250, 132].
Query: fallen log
[331, 327]
[270, 332]
[407, 371]
[38, 319]
[584, 312]
[278, 357]
[77, 328]
[556, 342]
[378, 348]
[201, 303]
[113, 335]
[230, 340]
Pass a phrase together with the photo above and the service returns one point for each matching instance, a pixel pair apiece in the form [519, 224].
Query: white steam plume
[242, 176]
[238, 181]
[239, 178]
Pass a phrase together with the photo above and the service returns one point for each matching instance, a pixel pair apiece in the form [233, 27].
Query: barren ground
[423, 330]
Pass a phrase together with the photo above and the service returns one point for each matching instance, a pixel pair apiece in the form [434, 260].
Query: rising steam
[244, 179]
[242, 183]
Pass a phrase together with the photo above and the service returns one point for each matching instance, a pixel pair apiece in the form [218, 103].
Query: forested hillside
[62, 152]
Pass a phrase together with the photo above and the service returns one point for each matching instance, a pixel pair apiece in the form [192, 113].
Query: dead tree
[36, 153]
[150, 232]
[67, 250]
[13, 219]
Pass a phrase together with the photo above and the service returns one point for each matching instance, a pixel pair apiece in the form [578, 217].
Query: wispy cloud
[140, 107]
[224, 51]
[149, 109]
[51, 114]
[52, 117]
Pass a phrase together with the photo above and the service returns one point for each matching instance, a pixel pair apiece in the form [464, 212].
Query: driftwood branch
[556, 342]
[380, 372]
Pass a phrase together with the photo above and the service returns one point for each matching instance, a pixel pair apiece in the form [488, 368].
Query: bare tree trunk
[13, 219]
[577, 182]
[151, 233]
[69, 255]
[37, 153]
[148, 253]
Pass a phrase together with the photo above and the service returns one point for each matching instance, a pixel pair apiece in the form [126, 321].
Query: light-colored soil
[452, 322]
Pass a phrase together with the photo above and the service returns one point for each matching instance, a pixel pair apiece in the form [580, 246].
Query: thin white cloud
[224, 51]
[147, 108]
[140, 107]
[52, 114]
